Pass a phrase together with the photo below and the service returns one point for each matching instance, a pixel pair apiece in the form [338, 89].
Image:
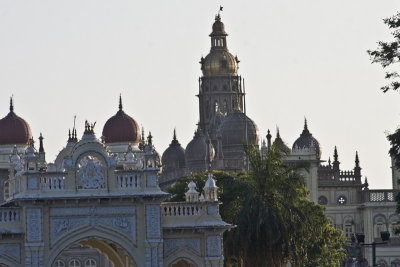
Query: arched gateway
[101, 202]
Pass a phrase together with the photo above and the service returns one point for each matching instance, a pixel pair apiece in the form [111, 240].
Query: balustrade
[181, 209]
[381, 195]
[8, 215]
[128, 181]
[52, 183]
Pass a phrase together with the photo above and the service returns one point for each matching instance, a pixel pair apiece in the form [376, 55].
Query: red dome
[13, 129]
[121, 128]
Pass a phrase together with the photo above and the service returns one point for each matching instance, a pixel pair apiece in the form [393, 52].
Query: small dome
[121, 128]
[218, 28]
[219, 62]
[210, 183]
[233, 129]
[199, 147]
[280, 144]
[14, 129]
[174, 155]
[306, 140]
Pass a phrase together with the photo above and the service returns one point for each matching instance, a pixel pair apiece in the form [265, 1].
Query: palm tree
[276, 223]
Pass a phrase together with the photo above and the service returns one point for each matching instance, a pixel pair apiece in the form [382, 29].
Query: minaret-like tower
[220, 87]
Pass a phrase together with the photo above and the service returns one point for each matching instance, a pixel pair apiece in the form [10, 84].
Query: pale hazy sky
[299, 59]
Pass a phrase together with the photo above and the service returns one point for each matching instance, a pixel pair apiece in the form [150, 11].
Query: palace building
[101, 201]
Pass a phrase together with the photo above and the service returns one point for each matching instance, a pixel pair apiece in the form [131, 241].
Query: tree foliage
[387, 54]
[276, 223]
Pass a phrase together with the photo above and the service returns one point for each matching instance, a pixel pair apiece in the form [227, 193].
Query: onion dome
[14, 129]
[307, 141]
[233, 129]
[280, 144]
[199, 149]
[174, 155]
[219, 61]
[121, 128]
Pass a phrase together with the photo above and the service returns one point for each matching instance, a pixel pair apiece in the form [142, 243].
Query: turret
[210, 189]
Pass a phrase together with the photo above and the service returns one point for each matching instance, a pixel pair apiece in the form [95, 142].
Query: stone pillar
[215, 256]
[34, 240]
[153, 243]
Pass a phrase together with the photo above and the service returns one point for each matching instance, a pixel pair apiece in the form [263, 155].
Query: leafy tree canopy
[276, 223]
[388, 54]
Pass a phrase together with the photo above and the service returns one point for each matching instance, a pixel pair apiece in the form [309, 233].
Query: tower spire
[335, 154]
[120, 103]
[41, 148]
[357, 161]
[305, 124]
[11, 104]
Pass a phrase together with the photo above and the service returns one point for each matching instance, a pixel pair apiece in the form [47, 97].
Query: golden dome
[219, 62]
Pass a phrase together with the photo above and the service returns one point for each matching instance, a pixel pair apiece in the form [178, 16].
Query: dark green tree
[276, 223]
[388, 54]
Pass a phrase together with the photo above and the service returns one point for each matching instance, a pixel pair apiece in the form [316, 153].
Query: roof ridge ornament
[12, 104]
[120, 103]
[89, 127]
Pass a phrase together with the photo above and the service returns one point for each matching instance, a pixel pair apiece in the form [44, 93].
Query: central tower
[220, 87]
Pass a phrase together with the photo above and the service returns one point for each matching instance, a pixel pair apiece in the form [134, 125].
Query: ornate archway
[116, 248]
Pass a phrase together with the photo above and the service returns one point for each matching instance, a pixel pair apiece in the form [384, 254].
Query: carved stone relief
[64, 220]
[90, 174]
[33, 183]
[153, 221]
[34, 224]
[151, 181]
[172, 244]
[214, 245]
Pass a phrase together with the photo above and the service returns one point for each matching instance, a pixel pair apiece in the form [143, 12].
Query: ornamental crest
[90, 174]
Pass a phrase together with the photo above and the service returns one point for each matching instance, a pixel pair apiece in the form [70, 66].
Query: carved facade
[99, 204]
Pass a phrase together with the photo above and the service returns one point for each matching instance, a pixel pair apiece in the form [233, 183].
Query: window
[59, 263]
[348, 228]
[90, 263]
[74, 263]
[380, 226]
[322, 200]
[341, 200]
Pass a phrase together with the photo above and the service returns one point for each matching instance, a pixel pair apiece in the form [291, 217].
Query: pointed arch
[103, 235]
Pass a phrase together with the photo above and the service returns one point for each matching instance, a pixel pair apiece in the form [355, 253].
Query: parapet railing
[128, 181]
[380, 195]
[9, 215]
[180, 209]
[52, 182]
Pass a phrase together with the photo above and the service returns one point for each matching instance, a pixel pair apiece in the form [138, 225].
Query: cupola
[219, 61]
[307, 141]
[121, 128]
[14, 129]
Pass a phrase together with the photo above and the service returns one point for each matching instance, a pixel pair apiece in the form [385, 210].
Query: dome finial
[11, 104]
[218, 17]
[41, 148]
[305, 124]
[278, 135]
[120, 102]
[357, 161]
[174, 138]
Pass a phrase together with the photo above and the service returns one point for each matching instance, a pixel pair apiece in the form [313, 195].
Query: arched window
[348, 228]
[90, 263]
[395, 263]
[322, 200]
[382, 263]
[74, 263]
[59, 263]
[379, 226]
